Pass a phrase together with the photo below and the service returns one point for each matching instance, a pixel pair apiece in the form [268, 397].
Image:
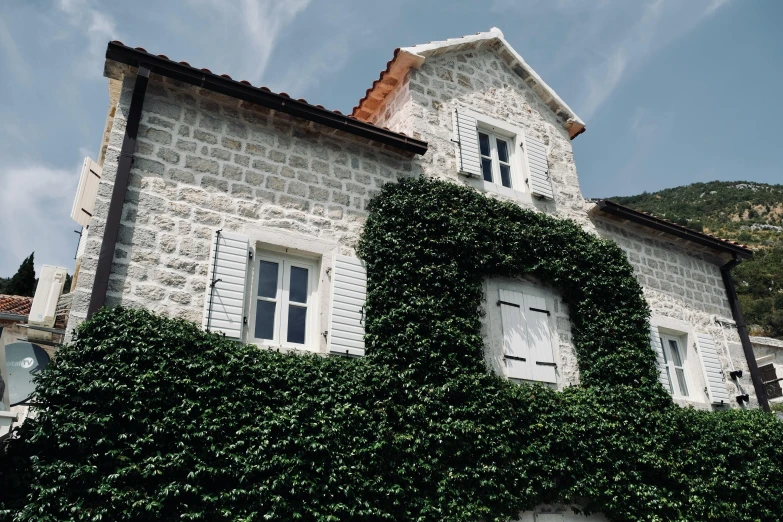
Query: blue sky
[672, 91]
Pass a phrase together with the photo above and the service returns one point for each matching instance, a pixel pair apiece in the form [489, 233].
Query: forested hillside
[751, 213]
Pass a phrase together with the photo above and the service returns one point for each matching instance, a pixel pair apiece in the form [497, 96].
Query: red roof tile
[15, 304]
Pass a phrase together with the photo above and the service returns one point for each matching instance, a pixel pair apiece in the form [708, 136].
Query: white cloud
[98, 27]
[605, 42]
[35, 206]
[261, 21]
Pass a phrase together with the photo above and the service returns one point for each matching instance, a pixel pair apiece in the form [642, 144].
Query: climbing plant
[148, 418]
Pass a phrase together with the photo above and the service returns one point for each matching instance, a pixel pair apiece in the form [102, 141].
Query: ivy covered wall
[147, 418]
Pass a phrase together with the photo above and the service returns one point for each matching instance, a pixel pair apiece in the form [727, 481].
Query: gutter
[13, 317]
[742, 330]
[244, 91]
[108, 244]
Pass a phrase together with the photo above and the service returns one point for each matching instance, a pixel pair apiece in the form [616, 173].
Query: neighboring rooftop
[120, 57]
[407, 57]
[15, 305]
[623, 213]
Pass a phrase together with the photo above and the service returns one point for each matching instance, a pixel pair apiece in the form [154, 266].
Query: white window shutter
[516, 352]
[713, 370]
[660, 358]
[466, 138]
[539, 336]
[224, 305]
[538, 166]
[349, 293]
[84, 203]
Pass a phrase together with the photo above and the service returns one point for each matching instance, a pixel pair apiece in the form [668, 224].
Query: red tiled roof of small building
[15, 304]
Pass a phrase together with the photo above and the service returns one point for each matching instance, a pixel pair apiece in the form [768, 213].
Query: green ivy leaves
[148, 418]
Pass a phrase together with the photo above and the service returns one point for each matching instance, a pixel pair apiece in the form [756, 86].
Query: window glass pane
[297, 316]
[265, 319]
[681, 380]
[502, 150]
[669, 375]
[486, 169]
[484, 144]
[297, 290]
[676, 359]
[505, 175]
[663, 351]
[267, 279]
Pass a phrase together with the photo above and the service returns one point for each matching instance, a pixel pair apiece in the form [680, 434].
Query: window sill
[283, 348]
[500, 190]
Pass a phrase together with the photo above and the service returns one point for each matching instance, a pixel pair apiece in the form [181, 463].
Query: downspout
[747, 347]
[103, 270]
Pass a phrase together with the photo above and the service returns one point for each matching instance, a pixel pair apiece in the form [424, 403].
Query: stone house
[239, 208]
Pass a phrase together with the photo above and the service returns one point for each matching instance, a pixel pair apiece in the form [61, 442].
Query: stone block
[211, 123]
[318, 194]
[210, 182]
[186, 146]
[206, 218]
[201, 164]
[297, 189]
[232, 172]
[150, 292]
[147, 165]
[231, 144]
[255, 150]
[274, 183]
[205, 137]
[221, 154]
[168, 155]
[254, 178]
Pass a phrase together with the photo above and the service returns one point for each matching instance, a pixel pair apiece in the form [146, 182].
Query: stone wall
[422, 106]
[205, 162]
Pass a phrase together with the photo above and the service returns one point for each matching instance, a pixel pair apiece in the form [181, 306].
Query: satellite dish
[23, 361]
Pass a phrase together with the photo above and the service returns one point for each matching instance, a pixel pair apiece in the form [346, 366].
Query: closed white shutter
[660, 358]
[224, 302]
[349, 293]
[539, 336]
[466, 138]
[516, 351]
[713, 370]
[538, 166]
[84, 203]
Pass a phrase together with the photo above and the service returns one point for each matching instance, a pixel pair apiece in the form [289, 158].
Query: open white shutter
[224, 302]
[660, 358]
[516, 351]
[466, 138]
[84, 203]
[539, 337]
[349, 293]
[538, 166]
[713, 370]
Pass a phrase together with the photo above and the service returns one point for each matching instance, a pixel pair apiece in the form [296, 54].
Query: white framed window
[496, 153]
[676, 363]
[282, 301]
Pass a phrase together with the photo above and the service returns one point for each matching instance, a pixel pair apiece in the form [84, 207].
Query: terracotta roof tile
[15, 304]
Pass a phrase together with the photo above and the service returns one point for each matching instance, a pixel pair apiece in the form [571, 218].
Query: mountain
[744, 211]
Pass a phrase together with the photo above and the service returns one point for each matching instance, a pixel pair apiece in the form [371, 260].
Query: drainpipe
[747, 347]
[109, 243]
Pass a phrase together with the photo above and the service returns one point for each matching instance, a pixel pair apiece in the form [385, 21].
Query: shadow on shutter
[713, 370]
[349, 293]
[466, 138]
[540, 183]
[224, 302]
[660, 359]
[516, 353]
[540, 339]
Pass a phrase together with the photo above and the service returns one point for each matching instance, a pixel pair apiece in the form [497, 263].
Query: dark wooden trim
[223, 85]
[610, 207]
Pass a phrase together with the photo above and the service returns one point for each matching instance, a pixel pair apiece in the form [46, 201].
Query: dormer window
[495, 154]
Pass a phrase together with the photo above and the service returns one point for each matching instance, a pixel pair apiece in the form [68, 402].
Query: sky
[672, 91]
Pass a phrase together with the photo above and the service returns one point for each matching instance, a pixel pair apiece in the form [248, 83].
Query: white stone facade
[206, 161]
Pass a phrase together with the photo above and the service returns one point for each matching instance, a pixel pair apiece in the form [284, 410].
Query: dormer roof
[407, 57]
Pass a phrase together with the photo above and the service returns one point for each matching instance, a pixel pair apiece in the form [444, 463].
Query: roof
[15, 304]
[407, 57]
[119, 53]
[671, 228]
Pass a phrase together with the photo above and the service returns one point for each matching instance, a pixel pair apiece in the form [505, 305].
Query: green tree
[23, 281]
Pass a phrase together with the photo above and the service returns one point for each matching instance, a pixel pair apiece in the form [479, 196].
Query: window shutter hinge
[325, 334]
[250, 254]
[540, 310]
[244, 320]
